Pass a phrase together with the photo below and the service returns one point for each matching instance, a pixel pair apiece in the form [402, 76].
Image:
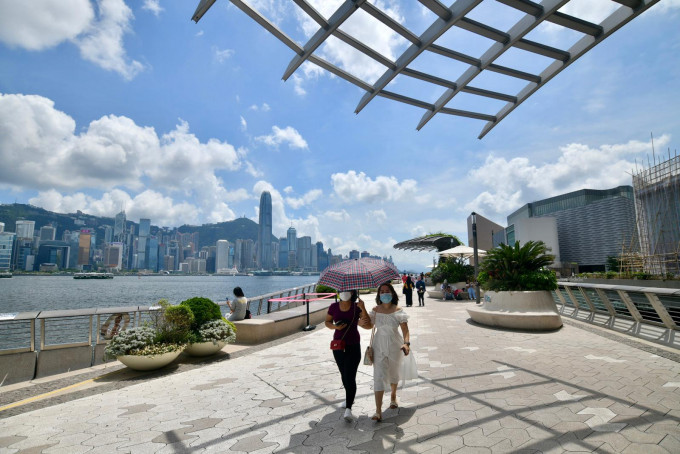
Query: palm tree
[518, 267]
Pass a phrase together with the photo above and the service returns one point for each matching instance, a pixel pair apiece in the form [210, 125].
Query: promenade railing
[59, 340]
[651, 313]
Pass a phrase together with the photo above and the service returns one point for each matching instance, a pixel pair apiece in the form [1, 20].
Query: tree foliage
[518, 267]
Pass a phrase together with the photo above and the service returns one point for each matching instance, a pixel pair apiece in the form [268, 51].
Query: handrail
[83, 327]
[652, 313]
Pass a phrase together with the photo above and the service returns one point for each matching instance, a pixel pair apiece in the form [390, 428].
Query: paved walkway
[481, 390]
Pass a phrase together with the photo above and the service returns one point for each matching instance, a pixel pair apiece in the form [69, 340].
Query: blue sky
[119, 103]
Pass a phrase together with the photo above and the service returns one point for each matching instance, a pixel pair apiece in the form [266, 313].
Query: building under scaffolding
[657, 206]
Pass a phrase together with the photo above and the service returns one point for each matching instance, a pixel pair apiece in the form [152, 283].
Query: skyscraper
[222, 259]
[119, 227]
[48, 233]
[292, 248]
[142, 243]
[264, 232]
[25, 228]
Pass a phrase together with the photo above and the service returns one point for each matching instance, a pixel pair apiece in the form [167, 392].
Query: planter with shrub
[209, 332]
[518, 288]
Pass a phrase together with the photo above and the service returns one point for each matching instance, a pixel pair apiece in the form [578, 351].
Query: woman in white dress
[389, 347]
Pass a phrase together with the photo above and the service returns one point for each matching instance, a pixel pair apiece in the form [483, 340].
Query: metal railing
[94, 326]
[649, 312]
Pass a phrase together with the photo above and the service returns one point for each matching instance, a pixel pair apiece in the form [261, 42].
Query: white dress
[239, 305]
[387, 353]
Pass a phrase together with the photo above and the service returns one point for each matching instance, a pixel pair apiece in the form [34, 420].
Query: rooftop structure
[434, 242]
[420, 46]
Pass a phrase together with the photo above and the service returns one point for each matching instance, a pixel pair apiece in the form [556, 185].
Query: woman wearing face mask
[389, 347]
[343, 317]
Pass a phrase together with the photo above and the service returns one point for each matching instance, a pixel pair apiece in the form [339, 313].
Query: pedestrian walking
[408, 291]
[389, 347]
[343, 318]
[420, 290]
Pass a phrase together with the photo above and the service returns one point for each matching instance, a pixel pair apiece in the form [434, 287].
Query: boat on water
[263, 273]
[93, 276]
[5, 274]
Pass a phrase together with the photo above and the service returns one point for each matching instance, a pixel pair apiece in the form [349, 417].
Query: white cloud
[353, 187]
[221, 55]
[102, 43]
[43, 24]
[337, 216]
[244, 124]
[288, 135]
[306, 199]
[265, 107]
[160, 209]
[288, 189]
[45, 152]
[377, 216]
[252, 171]
[518, 181]
[665, 6]
[48, 23]
[153, 6]
[281, 222]
[297, 85]
[199, 33]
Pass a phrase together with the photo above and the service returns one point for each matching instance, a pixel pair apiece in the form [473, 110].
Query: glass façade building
[591, 224]
[6, 246]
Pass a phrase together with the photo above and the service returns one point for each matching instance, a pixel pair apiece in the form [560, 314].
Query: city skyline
[194, 122]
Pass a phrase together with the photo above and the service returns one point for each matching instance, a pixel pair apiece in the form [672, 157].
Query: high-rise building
[84, 248]
[108, 234]
[238, 252]
[291, 236]
[304, 253]
[143, 243]
[113, 256]
[248, 254]
[6, 248]
[283, 252]
[222, 257]
[275, 254]
[354, 254]
[264, 232]
[119, 229]
[2, 227]
[25, 229]
[55, 252]
[322, 257]
[23, 254]
[48, 233]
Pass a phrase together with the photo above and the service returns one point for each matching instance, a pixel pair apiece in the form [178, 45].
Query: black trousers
[348, 364]
[409, 298]
[421, 299]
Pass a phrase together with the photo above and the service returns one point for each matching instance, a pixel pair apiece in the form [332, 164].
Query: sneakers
[349, 417]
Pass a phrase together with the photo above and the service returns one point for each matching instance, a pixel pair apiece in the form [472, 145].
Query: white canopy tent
[463, 252]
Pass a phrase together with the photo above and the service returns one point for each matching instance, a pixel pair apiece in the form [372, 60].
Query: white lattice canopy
[470, 68]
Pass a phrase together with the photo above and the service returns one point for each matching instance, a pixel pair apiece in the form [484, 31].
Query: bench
[275, 325]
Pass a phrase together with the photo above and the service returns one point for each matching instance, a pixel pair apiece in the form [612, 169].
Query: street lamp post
[476, 254]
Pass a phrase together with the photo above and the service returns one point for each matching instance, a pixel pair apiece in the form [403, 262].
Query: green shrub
[204, 310]
[176, 326]
[517, 268]
[611, 274]
[217, 330]
[642, 276]
[320, 288]
[130, 341]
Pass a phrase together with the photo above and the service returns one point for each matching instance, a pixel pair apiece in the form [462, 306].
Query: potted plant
[518, 288]
[155, 344]
[209, 331]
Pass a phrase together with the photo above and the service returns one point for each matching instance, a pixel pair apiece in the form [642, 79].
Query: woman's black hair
[354, 297]
[238, 292]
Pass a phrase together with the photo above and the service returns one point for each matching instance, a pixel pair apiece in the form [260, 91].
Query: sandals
[376, 417]
[394, 404]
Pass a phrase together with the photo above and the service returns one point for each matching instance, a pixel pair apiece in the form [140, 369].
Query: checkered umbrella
[358, 274]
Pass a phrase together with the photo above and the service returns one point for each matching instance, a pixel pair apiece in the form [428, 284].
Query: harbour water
[39, 293]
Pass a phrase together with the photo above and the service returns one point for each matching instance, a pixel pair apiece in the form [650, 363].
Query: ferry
[93, 276]
[5, 274]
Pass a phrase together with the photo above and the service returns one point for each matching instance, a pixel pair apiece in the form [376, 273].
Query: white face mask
[345, 296]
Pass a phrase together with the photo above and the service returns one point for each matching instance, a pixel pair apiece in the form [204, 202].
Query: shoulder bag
[339, 344]
[368, 356]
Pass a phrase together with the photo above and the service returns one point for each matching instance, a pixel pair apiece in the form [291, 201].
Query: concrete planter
[535, 311]
[138, 362]
[204, 348]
